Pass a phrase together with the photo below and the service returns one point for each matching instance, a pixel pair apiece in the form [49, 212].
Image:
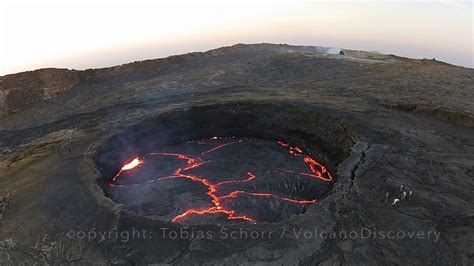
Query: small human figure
[395, 202]
[387, 195]
[410, 194]
[404, 195]
[401, 188]
[69, 148]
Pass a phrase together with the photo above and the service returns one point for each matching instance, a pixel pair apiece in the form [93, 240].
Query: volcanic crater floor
[224, 180]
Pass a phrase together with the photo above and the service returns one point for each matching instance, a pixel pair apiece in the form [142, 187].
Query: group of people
[68, 146]
[404, 195]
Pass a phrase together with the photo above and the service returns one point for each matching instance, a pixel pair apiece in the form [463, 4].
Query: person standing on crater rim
[395, 202]
[387, 196]
[404, 195]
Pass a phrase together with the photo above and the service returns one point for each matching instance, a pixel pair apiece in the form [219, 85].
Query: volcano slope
[375, 122]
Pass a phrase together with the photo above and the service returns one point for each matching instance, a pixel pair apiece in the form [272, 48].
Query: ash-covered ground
[383, 123]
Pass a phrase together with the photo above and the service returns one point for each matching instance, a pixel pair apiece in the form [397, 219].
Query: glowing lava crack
[316, 171]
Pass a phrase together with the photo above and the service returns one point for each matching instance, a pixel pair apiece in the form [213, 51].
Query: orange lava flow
[296, 151]
[317, 171]
[236, 193]
[217, 147]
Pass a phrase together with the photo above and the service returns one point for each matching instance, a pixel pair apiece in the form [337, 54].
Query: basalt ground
[375, 122]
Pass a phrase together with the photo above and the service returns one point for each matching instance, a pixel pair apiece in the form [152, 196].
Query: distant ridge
[21, 90]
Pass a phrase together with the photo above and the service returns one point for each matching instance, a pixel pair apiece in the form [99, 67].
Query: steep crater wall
[241, 162]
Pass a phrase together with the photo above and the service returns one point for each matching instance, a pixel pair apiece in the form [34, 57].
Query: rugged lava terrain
[375, 121]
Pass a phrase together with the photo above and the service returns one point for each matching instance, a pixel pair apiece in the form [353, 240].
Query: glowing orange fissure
[318, 171]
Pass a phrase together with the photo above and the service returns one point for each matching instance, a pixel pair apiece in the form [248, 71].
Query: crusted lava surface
[221, 180]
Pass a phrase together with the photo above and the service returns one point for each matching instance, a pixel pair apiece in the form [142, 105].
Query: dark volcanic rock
[404, 122]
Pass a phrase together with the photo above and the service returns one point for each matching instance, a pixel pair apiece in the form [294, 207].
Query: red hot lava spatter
[318, 171]
[128, 166]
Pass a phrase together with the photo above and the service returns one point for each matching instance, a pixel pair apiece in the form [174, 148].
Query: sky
[101, 33]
